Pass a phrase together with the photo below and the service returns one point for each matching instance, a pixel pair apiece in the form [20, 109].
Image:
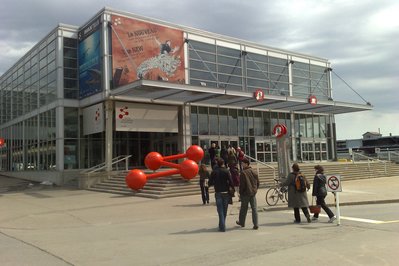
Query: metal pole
[336, 194]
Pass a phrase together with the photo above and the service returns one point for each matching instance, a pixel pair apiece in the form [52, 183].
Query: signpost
[334, 185]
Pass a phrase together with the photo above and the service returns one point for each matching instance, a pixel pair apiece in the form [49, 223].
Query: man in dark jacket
[221, 180]
[249, 184]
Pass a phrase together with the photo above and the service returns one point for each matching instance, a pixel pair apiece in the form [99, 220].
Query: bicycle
[274, 194]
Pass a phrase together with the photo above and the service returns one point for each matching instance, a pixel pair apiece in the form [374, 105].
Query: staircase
[175, 186]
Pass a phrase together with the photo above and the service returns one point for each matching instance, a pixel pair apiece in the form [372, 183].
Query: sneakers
[315, 219]
[332, 219]
[255, 227]
[308, 218]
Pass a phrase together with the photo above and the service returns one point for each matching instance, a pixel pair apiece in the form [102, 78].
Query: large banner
[142, 50]
[146, 117]
[90, 66]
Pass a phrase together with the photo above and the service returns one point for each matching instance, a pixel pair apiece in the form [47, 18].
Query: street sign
[334, 183]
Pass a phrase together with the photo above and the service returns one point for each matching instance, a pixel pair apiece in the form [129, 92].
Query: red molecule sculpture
[188, 169]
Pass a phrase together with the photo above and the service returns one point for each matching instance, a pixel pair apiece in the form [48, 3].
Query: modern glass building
[123, 84]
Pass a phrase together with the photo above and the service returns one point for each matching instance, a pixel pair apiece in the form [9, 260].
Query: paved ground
[43, 225]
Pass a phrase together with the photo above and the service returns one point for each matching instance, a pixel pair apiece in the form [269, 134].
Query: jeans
[320, 201]
[204, 194]
[222, 203]
[244, 209]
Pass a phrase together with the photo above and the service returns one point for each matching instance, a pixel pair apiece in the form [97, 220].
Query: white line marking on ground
[362, 220]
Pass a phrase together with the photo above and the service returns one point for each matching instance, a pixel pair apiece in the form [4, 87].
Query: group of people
[231, 173]
[221, 178]
[232, 160]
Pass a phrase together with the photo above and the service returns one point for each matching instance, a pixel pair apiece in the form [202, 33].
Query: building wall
[41, 115]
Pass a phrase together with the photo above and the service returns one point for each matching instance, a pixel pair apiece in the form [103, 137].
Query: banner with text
[142, 50]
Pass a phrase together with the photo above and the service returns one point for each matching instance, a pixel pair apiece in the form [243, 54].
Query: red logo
[123, 112]
[259, 95]
[97, 117]
[312, 100]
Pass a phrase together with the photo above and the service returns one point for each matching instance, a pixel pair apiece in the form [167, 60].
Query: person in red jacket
[240, 157]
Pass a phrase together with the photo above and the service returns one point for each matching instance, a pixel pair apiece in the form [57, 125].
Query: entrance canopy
[165, 92]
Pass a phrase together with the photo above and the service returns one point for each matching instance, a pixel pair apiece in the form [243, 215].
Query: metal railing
[262, 163]
[103, 165]
[369, 159]
[392, 156]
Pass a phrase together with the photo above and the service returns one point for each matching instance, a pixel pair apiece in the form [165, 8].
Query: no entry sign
[334, 183]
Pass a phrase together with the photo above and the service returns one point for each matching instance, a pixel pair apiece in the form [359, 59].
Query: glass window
[69, 42]
[213, 121]
[228, 60]
[203, 120]
[223, 120]
[250, 122]
[323, 127]
[202, 46]
[71, 63]
[233, 119]
[266, 124]
[202, 56]
[70, 52]
[241, 127]
[194, 120]
[70, 73]
[195, 64]
[309, 127]
[257, 57]
[258, 123]
[202, 75]
[71, 122]
[316, 127]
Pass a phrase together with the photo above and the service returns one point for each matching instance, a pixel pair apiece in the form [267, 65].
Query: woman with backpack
[297, 195]
[320, 192]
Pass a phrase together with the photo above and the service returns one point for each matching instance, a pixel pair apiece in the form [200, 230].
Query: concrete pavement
[42, 225]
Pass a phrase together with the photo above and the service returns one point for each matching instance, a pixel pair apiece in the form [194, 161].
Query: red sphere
[188, 169]
[136, 179]
[195, 153]
[153, 160]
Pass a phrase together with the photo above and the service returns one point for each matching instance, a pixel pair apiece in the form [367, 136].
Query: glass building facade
[46, 98]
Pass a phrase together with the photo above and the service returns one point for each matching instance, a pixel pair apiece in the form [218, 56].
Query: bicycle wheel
[272, 196]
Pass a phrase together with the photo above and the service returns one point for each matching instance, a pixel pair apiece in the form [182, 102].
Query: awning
[171, 93]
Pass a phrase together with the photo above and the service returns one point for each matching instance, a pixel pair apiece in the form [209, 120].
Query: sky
[359, 38]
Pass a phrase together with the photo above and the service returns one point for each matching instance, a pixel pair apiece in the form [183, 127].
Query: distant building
[372, 143]
[371, 135]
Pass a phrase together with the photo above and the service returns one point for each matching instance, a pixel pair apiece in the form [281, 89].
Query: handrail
[263, 163]
[103, 165]
[369, 159]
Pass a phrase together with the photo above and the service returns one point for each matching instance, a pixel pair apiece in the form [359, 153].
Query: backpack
[300, 182]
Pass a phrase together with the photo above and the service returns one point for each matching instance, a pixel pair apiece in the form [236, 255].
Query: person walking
[233, 168]
[249, 184]
[240, 157]
[220, 179]
[297, 199]
[320, 192]
[204, 182]
[212, 154]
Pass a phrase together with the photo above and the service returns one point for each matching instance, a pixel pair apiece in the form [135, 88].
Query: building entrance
[139, 144]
